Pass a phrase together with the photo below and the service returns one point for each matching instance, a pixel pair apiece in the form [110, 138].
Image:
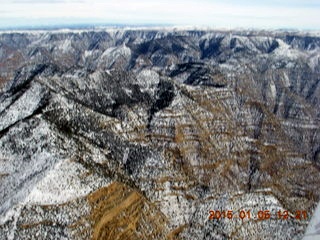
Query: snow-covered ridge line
[245, 31]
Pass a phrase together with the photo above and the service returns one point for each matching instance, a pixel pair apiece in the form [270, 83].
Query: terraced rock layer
[137, 134]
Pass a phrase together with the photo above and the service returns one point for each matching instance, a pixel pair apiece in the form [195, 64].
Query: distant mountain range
[75, 26]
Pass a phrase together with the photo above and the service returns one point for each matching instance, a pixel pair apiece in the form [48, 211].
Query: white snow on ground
[286, 80]
[300, 125]
[148, 80]
[65, 46]
[314, 60]
[11, 214]
[286, 50]
[111, 55]
[66, 181]
[313, 230]
[87, 53]
[24, 174]
[273, 90]
[23, 107]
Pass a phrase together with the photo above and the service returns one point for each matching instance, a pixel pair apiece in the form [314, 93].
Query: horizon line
[146, 26]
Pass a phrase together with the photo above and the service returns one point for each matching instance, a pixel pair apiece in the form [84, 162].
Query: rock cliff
[138, 134]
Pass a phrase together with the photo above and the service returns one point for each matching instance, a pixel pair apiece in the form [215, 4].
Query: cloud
[228, 13]
[275, 3]
[47, 1]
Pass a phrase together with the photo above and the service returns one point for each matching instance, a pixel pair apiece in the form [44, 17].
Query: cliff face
[138, 134]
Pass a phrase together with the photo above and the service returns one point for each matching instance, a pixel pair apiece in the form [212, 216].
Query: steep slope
[139, 134]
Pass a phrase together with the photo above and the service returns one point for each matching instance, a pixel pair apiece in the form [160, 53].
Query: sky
[267, 14]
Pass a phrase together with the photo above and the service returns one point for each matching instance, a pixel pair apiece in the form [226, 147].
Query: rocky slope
[137, 134]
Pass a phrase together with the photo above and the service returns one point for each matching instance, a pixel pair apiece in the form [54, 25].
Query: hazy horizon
[270, 14]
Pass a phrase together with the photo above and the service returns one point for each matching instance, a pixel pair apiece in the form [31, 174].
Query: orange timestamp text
[260, 215]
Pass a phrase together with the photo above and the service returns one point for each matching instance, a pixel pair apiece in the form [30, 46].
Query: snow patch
[148, 80]
[286, 80]
[313, 230]
[111, 55]
[62, 184]
[273, 90]
[65, 46]
[23, 107]
[285, 50]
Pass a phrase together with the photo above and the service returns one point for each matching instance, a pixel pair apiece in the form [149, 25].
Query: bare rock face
[124, 134]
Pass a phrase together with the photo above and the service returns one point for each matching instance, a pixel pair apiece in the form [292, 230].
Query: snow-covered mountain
[138, 134]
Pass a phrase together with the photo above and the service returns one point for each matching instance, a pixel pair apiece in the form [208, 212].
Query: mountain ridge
[188, 121]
